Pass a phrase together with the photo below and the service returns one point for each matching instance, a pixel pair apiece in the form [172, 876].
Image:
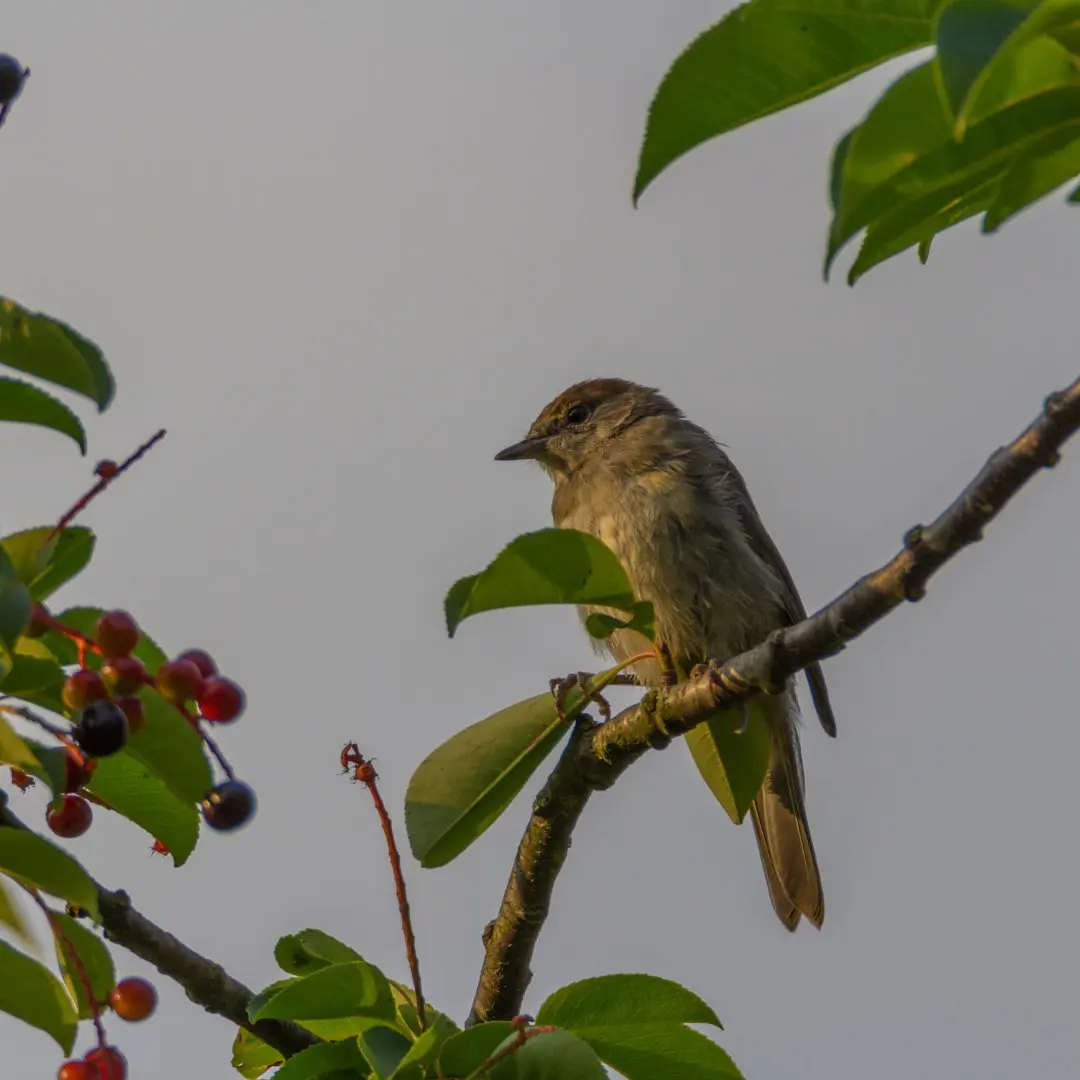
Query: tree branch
[599, 753]
[207, 984]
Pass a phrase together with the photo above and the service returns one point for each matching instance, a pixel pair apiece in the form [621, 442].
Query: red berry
[221, 700]
[101, 729]
[135, 711]
[75, 1070]
[179, 681]
[107, 1064]
[124, 675]
[106, 469]
[133, 999]
[117, 633]
[78, 768]
[202, 660]
[228, 806]
[82, 687]
[72, 819]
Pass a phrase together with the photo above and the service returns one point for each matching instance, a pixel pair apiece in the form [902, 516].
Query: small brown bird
[630, 469]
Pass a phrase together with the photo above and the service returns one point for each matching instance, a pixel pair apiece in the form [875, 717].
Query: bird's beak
[527, 448]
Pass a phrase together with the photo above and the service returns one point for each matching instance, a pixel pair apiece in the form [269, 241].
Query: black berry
[12, 75]
[228, 806]
[101, 729]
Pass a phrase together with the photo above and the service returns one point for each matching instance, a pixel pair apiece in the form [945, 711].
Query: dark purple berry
[12, 75]
[228, 806]
[101, 729]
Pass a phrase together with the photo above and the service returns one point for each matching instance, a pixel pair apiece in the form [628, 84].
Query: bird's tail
[779, 816]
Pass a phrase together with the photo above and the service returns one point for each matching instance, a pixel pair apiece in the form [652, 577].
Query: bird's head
[589, 419]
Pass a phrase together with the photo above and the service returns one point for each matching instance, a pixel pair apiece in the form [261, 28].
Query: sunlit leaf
[22, 403]
[30, 992]
[33, 860]
[93, 955]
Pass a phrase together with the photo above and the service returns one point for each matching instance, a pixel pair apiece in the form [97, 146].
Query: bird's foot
[731, 681]
[560, 688]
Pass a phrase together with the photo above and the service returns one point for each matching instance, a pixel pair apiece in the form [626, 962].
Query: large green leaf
[45, 564]
[311, 950]
[904, 156]
[635, 1023]
[976, 39]
[624, 999]
[337, 991]
[34, 861]
[45, 347]
[731, 751]
[97, 963]
[337, 1059]
[12, 917]
[384, 1048]
[459, 790]
[553, 1055]
[425, 1050]
[765, 56]
[128, 786]
[251, 1057]
[463, 1053]
[22, 403]
[35, 679]
[1033, 176]
[550, 566]
[31, 993]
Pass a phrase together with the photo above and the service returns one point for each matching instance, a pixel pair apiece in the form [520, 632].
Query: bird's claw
[560, 688]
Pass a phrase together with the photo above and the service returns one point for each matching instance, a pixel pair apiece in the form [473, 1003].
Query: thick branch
[206, 983]
[598, 754]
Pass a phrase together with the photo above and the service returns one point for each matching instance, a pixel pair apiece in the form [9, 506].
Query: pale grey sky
[344, 252]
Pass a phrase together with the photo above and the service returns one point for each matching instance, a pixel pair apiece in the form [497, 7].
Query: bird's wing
[764, 547]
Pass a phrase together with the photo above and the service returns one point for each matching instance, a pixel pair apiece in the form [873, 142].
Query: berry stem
[212, 746]
[76, 962]
[364, 771]
[523, 1034]
[85, 644]
[102, 484]
[29, 714]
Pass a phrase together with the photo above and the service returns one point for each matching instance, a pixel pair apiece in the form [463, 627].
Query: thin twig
[73, 956]
[364, 771]
[102, 484]
[27, 713]
[601, 753]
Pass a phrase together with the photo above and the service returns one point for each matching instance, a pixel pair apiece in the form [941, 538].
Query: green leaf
[551, 566]
[1047, 167]
[127, 785]
[35, 680]
[601, 625]
[765, 56]
[15, 604]
[337, 991]
[384, 1048]
[15, 750]
[171, 749]
[423, 1053]
[646, 1051]
[12, 917]
[465, 1052]
[95, 959]
[554, 1055]
[251, 1057]
[731, 751]
[976, 39]
[22, 403]
[31, 859]
[31, 993]
[904, 155]
[45, 564]
[317, 1061]
[311, 950]
[460, 789]
[50, 767]
[624, 1000]
[39, 345]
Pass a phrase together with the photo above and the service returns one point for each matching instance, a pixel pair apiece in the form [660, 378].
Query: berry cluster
[107, 709]
[131, 999]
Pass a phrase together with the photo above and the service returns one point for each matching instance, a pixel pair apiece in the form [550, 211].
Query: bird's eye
[578, 414]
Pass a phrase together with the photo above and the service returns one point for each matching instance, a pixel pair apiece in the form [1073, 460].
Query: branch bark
[206, 983]
[599, 753]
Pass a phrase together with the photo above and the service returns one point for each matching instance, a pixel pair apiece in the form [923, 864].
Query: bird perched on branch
[630, 469]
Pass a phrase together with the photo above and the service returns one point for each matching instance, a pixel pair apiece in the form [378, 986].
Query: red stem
[365, 773]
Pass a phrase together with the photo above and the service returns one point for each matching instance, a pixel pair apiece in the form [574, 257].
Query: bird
[630, 469]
